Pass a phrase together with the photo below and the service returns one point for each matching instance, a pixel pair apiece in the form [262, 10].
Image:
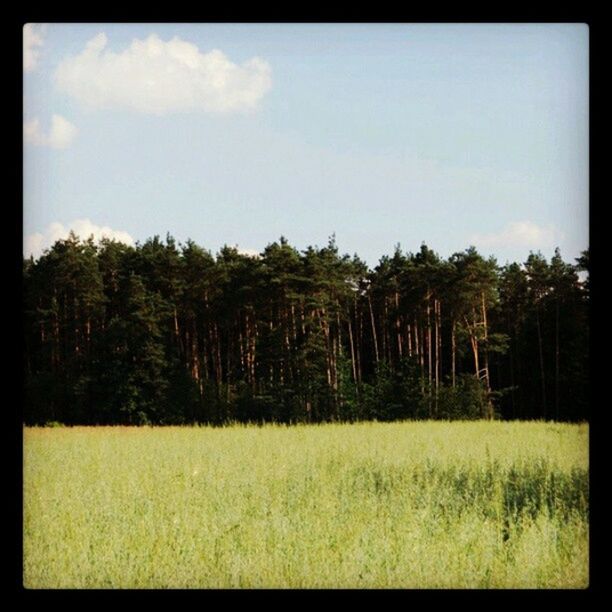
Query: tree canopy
[169, 333]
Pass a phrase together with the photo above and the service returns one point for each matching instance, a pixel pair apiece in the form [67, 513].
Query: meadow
[372, 505]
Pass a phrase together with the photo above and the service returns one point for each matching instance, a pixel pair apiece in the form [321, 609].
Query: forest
[167, 333]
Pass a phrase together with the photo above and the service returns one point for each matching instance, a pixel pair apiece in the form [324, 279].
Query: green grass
[408, 505]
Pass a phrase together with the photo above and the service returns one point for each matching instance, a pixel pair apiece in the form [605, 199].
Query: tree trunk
[453, 353]
[557, 360]
[177, 333]
[358, 340]
[512, 376]
[373, 329]
[398, 327]
[437, 336]
[409, 340]
[218, 363]
[474, 345]
[385, 341]
[352, 345]
[541, 353]
[429, 355]
[490, 411]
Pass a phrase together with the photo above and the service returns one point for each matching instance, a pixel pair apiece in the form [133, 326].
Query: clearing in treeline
[406, 504]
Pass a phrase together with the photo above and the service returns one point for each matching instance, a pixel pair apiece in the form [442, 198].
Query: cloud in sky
[60, 136]
[249, 252]
[158, 77]
[33, 37]
[519, 234]
[36, 243]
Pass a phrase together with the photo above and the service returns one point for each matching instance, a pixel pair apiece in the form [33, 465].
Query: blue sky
[382, 134]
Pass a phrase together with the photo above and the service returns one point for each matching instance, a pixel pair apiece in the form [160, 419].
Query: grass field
[408, 505]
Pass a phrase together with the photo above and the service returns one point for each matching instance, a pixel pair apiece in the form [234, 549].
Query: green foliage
[466, 400]
[54, 424]
[162, 333]
[395, 394]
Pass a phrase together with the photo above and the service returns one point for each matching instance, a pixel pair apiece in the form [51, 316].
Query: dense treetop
[167, 333]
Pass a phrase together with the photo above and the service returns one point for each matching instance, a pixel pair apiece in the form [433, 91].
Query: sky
[381, 134]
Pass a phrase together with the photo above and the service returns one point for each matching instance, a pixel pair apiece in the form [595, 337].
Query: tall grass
[409, 505]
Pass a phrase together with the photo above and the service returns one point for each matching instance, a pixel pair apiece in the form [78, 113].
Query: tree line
[167, 333]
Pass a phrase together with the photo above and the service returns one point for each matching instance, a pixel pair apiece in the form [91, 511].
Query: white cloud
[249, 252]
[36, 243]
[60, 136]
[519, 234]
[32, 38]
[158, 77]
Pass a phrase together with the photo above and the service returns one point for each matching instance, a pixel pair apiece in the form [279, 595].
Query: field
[399, 505]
